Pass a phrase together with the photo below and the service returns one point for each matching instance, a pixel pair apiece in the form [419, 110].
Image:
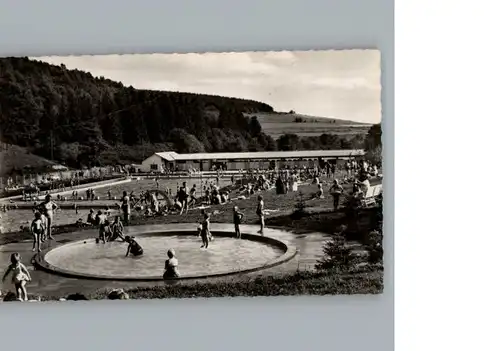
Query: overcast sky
[343, 84]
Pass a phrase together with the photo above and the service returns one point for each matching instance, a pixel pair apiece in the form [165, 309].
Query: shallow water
[222, 255]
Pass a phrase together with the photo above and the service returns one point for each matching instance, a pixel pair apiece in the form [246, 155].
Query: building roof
[173, 156]
[169, 156]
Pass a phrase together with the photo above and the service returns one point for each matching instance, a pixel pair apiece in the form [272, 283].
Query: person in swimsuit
[116, 230]
[91, 218]
[20, 276]
[205, 230]
[171, 270]
[336, 190]
[126, 208]
[260, 213]
[37, 229]
[237, 217]
[44, 232]
[103, 224]
[133, 247]
[192, 195]
[182, 196]
[48, 207]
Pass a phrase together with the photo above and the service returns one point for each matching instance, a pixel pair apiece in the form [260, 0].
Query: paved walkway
[69, 191]
[308, 245]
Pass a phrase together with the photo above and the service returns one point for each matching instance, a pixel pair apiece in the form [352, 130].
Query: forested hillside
[77, 119]
[85, 115]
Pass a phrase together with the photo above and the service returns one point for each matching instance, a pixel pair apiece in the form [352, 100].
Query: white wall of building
[154, 160]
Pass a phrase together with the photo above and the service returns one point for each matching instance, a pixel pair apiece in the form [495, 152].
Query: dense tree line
[78, 119]
[373, 144]
[43, 105]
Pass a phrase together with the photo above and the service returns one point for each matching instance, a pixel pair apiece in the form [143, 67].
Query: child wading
[133, 247]
[237, 217]
[205, 230]
[20, 276]
[171, 270]
[103, 223]
[116, 230]
[37, 230]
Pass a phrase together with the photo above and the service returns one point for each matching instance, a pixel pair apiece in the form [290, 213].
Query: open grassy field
[277, 124]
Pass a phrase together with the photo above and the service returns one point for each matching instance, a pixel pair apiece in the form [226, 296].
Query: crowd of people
[159, 202]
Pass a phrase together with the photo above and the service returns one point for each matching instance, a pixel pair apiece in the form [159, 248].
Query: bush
[337, 255]
[300, 206]
[374, 245]
[76, 297]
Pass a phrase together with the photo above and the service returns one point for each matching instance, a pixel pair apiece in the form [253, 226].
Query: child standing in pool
[117, 230]
[20, 276]
[205, 230]
[237, 217]
[102, 222]
[210, 237]
[37, 229]
[133, 247]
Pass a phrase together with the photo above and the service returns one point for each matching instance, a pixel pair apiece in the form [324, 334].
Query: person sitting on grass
[133, 247]
[171, 264]
[320, 193]
[37, 229]
[91, 218]
[237, 218]
[149, 212]
[20, 276]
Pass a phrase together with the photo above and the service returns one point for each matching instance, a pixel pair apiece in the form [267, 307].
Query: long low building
[163, 161]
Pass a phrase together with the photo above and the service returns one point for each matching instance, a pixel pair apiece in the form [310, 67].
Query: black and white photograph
[156, 176]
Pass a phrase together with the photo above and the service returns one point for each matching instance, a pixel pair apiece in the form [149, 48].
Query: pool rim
[289, 252]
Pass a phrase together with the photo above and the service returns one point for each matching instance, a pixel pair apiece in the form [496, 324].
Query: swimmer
[20, 276]
[133, 247]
